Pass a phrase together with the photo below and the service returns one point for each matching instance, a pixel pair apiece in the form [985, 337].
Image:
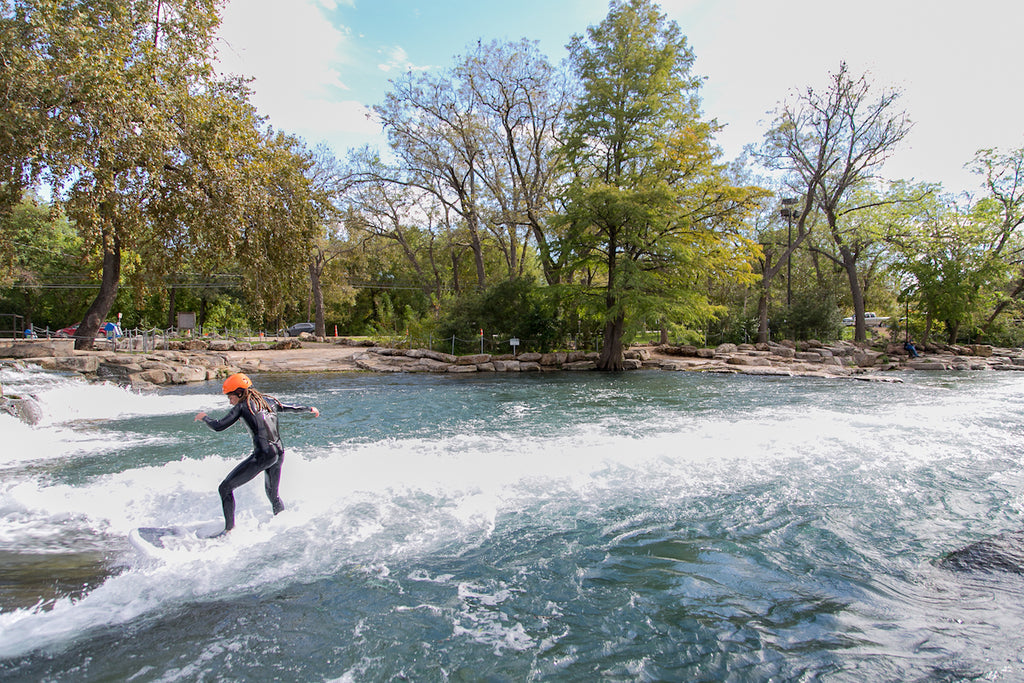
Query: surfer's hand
[199, 416]
[316, 413]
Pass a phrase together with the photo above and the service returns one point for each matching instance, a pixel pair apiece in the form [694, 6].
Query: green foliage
[648, 211]
[609, 188]
[812, 316]
[45, 264]
[514, 308]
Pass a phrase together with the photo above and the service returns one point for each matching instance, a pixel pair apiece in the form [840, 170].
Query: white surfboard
[154, 541]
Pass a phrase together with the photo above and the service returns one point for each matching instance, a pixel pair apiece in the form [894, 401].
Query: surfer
[259, 412]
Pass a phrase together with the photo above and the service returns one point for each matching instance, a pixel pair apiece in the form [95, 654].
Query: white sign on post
[514, 343]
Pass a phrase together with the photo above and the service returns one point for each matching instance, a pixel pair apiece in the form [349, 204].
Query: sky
[318, 66]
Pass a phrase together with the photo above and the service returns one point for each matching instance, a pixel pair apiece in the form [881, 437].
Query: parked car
[870, 319]
[106, 330]
[298, 328]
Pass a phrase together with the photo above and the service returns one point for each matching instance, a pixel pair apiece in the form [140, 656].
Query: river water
[649, 526]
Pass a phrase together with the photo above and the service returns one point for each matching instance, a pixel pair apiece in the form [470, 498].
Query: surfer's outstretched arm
[285, 408]
[223, 423]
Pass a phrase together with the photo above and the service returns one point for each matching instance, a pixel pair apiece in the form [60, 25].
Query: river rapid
[647, 526]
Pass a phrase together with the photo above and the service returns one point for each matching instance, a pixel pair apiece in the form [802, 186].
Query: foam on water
[365, 505]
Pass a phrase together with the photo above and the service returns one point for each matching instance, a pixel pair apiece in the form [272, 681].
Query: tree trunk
[478, 255]
[318, 299]
[954, 332]
[611, 352]
[1000, 307]
[762, 300]
[85, 336]
[860, 330]
[172, 310]
[763, 330]
[456, 285]
[612, 356]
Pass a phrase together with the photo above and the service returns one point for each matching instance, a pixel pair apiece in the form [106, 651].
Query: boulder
[432, 355]
[580, 365]
[638, 354]
[25, 408]
[927, 364]
[152, 376]
[475, 359]
[748, 360]
[556, 359]
[83, 364]
[461, 368]
[187, 374]
[783, 351]
[865, 358]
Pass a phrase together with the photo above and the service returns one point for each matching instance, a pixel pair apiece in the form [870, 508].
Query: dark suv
[298, 328]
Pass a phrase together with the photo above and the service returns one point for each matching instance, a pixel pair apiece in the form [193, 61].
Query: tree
[647, 207]
[23, 83]
[46, 257]
[523, 101]
[950, 257]
[478, 137]
[831, 142]
[1003, 210]
[114, 66]
[152, 155]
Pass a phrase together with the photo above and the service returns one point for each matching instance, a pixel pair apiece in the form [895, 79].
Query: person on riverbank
[259, 412]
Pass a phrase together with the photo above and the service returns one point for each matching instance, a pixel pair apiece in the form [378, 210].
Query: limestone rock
[555, 359]
[83, 364]
[748, 360]
[475, 359]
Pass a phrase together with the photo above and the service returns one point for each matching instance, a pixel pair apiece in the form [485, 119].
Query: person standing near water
[259, 412]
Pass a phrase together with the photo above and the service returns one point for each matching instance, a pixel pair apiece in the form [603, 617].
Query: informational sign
[186, 321]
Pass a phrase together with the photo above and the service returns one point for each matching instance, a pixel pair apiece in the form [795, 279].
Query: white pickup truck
[870, 319]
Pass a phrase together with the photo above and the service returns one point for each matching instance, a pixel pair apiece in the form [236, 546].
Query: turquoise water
[650, 526]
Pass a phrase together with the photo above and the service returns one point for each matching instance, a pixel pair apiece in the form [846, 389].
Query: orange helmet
[236, 381]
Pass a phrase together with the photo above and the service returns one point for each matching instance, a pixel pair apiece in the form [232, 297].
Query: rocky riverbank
[202, 360]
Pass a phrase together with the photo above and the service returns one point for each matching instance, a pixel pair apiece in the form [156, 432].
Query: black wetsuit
[267, 455]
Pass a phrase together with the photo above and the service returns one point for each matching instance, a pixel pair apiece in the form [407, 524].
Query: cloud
[396, 59]
[951, 64]
[292, 57]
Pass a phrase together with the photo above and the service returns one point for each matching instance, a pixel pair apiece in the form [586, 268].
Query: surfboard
[1000, 553]
[153, 541]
